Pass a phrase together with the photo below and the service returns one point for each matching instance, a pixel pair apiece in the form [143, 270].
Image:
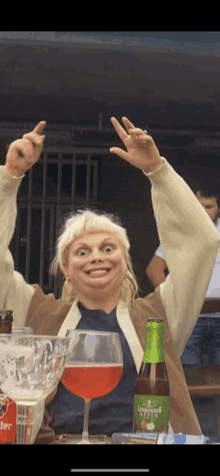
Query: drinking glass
[93, 368]
[30, 369]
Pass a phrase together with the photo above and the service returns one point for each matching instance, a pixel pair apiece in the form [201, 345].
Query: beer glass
[93, 367]
[30, 369]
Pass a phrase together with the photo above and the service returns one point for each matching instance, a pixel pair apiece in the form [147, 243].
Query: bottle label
[151, 413]
[7, 419]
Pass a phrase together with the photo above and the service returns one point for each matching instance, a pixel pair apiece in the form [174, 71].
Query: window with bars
[57, 184]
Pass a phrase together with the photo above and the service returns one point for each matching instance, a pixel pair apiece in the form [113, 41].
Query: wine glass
[93, 368]
[30, 369]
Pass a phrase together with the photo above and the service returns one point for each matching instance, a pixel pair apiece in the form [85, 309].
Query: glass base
[67, 439]
[84, 442]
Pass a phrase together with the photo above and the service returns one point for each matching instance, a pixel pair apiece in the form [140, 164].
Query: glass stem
[85, 435]
[24, 423]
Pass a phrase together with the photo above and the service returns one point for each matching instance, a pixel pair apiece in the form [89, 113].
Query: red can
[7, 419]
[8, 406]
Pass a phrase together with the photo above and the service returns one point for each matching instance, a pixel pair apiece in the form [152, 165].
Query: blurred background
[165, 82]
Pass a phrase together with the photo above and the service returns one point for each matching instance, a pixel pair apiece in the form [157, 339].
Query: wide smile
[96, 273]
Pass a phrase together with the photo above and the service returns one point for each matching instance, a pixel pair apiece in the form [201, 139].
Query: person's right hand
[24, 153]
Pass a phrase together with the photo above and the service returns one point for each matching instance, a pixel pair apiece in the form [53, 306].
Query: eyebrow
[106, 240]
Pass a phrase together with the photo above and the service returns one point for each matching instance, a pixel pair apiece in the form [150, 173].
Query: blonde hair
[87, 221]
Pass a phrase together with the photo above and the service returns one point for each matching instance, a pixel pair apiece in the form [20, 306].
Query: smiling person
[95, 263]
[93, 253]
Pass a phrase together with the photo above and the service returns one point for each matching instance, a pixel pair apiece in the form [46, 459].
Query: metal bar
[95, 178]
[21, 127]
[79, 150]
[64, 161]
[88, 174]
[73, 186]
[43, 219]
[59, 182]
[51, 238]
[29, 219]
[100, 121]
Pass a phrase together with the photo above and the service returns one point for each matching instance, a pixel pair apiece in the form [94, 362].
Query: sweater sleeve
[190, 241]
[15, 293]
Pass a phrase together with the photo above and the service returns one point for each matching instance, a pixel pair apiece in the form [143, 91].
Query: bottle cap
[6, 318]
[5, 314]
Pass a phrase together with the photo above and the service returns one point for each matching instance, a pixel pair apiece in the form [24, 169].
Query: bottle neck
[6, 319]
[154, 348]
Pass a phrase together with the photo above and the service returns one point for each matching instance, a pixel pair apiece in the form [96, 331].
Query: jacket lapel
[129, 331]
[71, 321]
[73, 318]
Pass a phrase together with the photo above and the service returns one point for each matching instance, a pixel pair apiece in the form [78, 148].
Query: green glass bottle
[152, 391]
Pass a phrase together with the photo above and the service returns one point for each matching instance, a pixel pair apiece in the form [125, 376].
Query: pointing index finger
[40, 127]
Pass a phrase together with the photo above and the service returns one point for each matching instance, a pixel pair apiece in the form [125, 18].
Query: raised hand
[141, 149]
[23, 153]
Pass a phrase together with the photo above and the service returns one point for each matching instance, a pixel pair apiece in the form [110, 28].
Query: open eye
[82, 252]
[108, 249]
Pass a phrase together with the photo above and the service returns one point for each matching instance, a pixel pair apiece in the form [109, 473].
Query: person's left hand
[141, 149]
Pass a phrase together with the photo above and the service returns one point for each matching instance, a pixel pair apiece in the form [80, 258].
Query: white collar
[73, 317]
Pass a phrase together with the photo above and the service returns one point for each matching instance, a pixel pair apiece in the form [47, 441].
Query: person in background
[93, 254]
[204, 342]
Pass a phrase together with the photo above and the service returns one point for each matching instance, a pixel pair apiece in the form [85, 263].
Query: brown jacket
[46, 315]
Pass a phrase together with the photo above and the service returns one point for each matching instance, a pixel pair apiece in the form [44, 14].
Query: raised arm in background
[156, 271]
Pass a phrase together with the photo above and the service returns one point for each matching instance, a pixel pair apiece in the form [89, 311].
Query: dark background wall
[165, 82]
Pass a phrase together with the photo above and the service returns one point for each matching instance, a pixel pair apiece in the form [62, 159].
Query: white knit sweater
[189, 239]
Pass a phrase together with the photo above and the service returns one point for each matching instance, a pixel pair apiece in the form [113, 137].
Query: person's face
[95, 264]
[210, 205]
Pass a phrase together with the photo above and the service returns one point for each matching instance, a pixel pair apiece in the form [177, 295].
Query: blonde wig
[87, 221]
